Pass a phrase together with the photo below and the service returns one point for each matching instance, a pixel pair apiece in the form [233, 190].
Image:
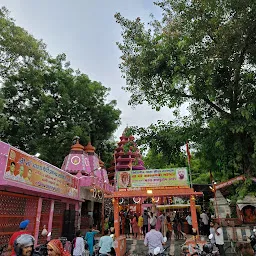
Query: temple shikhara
[126, 156]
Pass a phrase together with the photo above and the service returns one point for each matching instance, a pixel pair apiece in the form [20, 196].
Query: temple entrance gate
[134, 183]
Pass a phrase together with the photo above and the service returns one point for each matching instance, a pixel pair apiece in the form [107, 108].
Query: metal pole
[189, 169]
[190, 174]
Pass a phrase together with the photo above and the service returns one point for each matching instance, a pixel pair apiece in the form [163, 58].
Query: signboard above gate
[152, 178]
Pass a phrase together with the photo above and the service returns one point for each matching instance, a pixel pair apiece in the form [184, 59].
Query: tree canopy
[202, 53]
[45, 103]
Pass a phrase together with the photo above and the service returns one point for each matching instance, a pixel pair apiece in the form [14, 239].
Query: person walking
[135, 226]
[78, 245]
[106, 223]
[171, 236]
[169, 228]
[127, 226]
[152, 219]
[140, 224]
[145, 222]
[219, 239]
[106, 244]
[89, 237]
[205, 220]
[23, 230]
[212, 232]
[189, 221]
[154, 239]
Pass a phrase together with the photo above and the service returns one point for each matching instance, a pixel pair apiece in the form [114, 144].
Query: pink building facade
[85, 164]
[46, 195]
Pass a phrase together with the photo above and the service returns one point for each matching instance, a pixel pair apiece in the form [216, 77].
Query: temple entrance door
[69, 224]
[97, 214]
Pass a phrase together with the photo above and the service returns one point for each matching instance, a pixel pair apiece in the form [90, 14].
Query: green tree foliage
[165, 142]
[105, 151]
[45, 102]
[164, 147]
[154, 160]
[201, 52]
[18, 49]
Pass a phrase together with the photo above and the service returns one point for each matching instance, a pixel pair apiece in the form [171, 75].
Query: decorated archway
[157, 184]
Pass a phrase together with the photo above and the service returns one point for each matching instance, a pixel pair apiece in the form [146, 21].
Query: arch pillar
[115, 202]
[193, 213]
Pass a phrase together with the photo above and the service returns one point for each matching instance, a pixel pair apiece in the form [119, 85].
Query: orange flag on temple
[188, 152]
[130, 165]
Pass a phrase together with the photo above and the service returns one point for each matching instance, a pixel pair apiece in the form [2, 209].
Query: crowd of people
[136, 226]
[154, 227]
[22, 243]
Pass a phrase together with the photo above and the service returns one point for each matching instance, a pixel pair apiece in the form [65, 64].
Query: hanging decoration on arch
[136, 200]
[155, 199]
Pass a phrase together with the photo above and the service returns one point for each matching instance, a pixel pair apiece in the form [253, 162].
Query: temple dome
[77, 147]
[77, 161]
[89, 148]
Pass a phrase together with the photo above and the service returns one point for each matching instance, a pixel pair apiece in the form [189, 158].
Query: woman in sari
[135, 227]
[55, 248]
[89, 237]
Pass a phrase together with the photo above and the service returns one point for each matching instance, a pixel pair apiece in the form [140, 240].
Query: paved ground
[136, 247]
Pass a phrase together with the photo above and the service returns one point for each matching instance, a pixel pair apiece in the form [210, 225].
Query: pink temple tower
[127, 156]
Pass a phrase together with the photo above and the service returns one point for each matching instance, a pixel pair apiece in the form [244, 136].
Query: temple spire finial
[76, 140]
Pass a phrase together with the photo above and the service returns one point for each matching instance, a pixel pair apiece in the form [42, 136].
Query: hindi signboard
[173, 177]
[35, 173]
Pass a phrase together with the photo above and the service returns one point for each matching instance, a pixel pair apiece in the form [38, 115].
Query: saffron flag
[188, 152]
[130, 165]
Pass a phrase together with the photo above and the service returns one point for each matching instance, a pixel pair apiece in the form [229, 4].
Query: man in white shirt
[78, 245]
[106, 244]
[189, 221]
[219, 239]
[205, 220]
[154, 239]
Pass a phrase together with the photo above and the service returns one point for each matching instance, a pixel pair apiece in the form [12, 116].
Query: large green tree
[164, 141]
[17, 47]
[204, 53]
[45, 102]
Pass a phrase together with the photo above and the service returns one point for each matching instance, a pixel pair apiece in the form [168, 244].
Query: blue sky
[86, 31]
